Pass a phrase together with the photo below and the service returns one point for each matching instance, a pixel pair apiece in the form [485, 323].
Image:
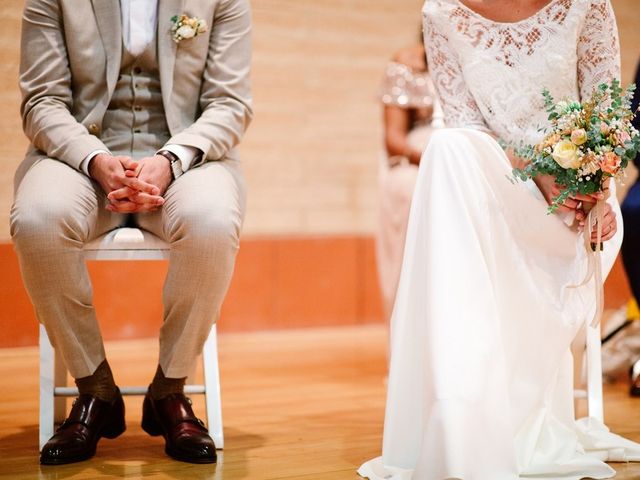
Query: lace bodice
[490, 75]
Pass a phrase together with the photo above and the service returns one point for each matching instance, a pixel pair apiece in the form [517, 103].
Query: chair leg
[47, 385]
[594, 373]
[212, 388]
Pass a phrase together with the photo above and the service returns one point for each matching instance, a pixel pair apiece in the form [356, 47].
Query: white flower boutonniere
[185, 27]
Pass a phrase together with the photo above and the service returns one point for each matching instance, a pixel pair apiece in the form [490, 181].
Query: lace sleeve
[598, 48]
[458, 105]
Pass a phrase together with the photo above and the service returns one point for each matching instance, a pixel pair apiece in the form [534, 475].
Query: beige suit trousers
[57, 210]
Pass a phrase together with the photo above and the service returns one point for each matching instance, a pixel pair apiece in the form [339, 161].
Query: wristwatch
[174, 161]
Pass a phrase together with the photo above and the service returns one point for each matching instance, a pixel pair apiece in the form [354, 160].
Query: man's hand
[110, 172]
[154, 171]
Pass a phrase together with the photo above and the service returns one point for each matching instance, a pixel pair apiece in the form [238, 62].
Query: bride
[483, 391]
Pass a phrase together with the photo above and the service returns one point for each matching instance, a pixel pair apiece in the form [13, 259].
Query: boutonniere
[184, 27]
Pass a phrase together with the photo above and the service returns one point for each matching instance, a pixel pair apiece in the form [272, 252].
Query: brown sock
[162, 386]
[100, 384]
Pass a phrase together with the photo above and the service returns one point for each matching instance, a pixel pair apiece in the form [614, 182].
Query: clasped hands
[580, 205]
[132, 186]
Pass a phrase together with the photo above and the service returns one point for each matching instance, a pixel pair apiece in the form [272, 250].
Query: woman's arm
[401, 98]
[397, 124]
[459, 107]
[598, 62]
[598, 48]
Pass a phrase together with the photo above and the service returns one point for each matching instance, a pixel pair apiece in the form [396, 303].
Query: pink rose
[604, 128]
[623, 137]
[610, 163]
[579, 136]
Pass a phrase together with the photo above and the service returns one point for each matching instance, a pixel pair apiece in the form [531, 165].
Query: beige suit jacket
[70, 61]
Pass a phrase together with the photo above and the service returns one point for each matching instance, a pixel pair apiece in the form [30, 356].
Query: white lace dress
[480, 382]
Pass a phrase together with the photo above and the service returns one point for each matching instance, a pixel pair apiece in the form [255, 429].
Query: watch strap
[174, 161]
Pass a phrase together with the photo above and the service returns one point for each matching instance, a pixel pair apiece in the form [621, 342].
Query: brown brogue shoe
[89, 420]
[186, 438]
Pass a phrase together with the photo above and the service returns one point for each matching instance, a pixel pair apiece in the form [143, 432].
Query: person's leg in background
[631, 217]
[631, 256]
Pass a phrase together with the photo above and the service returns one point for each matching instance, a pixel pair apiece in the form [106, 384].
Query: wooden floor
[302, 405]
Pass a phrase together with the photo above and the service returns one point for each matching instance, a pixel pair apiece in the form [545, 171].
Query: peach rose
[610, 163]
[579, 136]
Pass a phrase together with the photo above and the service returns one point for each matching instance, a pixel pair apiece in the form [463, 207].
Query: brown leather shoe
[186, 438]
[89, 420]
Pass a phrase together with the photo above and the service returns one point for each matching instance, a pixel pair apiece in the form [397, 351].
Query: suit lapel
[109, 21]
[167, 47]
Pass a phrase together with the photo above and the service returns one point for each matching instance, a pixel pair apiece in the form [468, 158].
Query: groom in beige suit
[133, 109]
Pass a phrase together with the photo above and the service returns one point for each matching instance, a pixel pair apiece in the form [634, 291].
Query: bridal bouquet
[587, 143]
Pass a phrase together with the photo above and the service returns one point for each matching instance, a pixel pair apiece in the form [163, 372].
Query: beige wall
[311, 154]
[11, 137]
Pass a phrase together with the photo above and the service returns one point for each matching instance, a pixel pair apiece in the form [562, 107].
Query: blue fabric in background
[631, 216]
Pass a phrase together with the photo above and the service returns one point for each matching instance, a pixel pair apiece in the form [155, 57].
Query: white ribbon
[594, 264]
[594, 270]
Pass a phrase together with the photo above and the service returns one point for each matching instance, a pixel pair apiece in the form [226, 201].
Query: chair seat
[127, 244]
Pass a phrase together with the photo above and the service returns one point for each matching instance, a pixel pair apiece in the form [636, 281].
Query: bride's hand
[609, 223]
[550, 190]
[516, 161]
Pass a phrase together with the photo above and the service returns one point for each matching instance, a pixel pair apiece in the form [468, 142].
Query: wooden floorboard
[305, 405]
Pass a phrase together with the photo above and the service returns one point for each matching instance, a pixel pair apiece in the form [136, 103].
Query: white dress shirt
[143, 15]
[139, 23]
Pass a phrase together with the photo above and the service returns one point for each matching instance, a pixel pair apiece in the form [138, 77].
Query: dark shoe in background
[89, 420]
[186, 437]
[635, 379]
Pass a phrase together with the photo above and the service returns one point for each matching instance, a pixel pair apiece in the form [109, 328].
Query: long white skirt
[481, 377]
[396, 186]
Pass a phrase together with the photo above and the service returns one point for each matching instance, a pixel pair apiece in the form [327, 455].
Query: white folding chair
[587, 355]
[123, 244]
